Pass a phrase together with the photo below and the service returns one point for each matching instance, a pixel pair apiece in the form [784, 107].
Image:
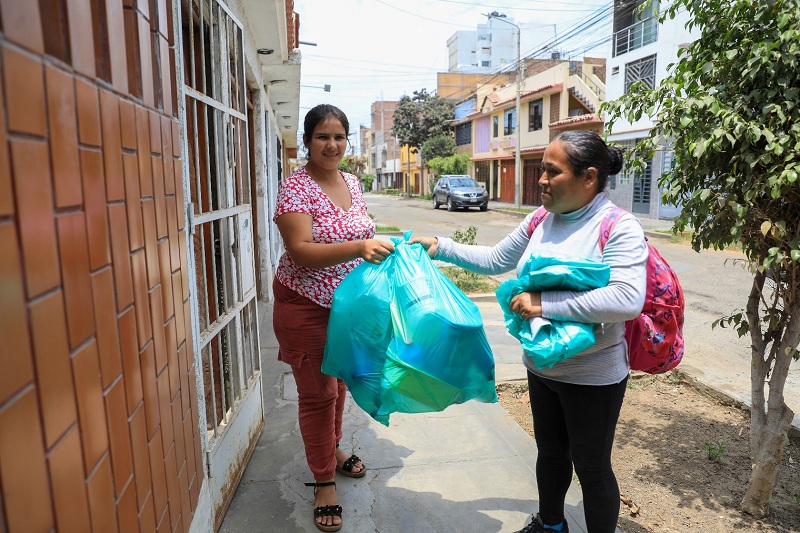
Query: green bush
[465, 280]
[366, 181]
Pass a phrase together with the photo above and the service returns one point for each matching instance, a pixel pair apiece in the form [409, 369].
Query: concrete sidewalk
[470, 468]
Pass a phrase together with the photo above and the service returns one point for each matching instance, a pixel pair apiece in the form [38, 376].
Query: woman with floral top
[327, 232]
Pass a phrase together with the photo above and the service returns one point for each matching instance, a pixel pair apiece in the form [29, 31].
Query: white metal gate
[224, 314]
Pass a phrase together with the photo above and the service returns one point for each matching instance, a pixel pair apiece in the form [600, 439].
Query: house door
[224, 316]
[507, 181]
[532, 171]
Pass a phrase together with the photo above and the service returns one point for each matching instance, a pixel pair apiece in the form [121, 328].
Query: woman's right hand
[429, 243]
[376, 250]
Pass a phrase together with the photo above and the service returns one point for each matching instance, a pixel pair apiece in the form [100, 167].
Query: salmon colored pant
[301, 329]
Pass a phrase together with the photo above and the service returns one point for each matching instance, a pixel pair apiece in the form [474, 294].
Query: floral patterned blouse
[300, 194]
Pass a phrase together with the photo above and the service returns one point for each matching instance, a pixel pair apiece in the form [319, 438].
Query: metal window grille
[643, 70]
[464, 134]
[220, 210]
[635, 36]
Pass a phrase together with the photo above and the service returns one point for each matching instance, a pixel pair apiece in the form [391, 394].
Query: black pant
[575, 425]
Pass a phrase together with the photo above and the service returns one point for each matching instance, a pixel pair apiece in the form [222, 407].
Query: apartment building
[642, 49]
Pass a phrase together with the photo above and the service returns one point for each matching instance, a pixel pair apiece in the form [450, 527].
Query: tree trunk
[769, 427]
[766, 465]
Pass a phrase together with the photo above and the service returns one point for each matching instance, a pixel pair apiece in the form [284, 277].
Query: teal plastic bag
[549, 341]
[405, 339]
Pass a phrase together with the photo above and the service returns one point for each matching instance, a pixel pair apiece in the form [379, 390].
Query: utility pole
[517, 153]
[383, 138]
[408, 165]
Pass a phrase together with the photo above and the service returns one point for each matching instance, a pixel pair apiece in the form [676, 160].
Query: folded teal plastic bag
[405, 339]
[549, 341]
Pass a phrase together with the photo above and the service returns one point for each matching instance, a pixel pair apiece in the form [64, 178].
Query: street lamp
[326, 87]
[517, 157]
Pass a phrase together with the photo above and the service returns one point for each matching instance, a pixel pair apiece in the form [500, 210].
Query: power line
[515, 8]
[584, 24]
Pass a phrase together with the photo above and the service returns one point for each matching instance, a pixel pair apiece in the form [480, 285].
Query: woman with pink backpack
[576, 403]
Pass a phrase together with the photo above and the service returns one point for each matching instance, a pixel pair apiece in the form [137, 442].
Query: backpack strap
[538, 216]
[608, 224]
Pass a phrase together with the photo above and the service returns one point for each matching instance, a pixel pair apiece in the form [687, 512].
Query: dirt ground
[682, 460]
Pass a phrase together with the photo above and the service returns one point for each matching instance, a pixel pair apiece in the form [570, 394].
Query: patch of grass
[684, 237]
[640, 381]
[673, 377]
[385, 229]
[469, 282]
[714, 450]
[465, 280]
[524, 210]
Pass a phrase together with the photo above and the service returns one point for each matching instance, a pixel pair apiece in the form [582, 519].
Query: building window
[486, 64]
[509, 121]
[643, 70]
[535, 115]
[464, 134]
[495, 126]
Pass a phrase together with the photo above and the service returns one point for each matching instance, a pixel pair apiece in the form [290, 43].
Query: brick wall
[98, 407]
[555, 112]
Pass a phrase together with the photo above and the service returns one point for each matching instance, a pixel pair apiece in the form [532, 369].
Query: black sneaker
[536, 526]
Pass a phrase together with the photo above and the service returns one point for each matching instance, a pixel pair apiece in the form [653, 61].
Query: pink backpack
[655, 337]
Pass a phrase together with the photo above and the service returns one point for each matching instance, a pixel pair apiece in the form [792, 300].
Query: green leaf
[730, 54]
[765, 227]
[795, 254]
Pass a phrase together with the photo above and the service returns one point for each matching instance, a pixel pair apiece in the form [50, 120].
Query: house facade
[141, 148]
[642, 49]
[554, 96]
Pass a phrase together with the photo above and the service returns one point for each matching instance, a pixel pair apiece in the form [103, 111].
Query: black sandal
[326, 510]
[347, 467]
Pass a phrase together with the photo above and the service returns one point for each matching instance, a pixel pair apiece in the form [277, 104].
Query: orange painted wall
[98, 407]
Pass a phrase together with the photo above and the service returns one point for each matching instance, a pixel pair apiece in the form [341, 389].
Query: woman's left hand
[527, 304]
[376, 250]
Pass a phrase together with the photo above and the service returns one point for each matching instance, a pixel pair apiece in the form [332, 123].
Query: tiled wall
[98, 407]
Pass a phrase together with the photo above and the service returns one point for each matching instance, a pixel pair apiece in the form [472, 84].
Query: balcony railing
[635, 36]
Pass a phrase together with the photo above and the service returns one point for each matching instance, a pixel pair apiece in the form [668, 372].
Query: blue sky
[368, 50]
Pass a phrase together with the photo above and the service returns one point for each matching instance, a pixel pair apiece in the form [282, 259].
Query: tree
[421, 117]
[455, 164]
[442, 145]
[731, 111]
[353, 164]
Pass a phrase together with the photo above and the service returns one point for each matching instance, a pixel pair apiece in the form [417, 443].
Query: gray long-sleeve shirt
[575, 234]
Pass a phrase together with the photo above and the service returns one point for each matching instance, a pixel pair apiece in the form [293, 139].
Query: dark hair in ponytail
[587, 149]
